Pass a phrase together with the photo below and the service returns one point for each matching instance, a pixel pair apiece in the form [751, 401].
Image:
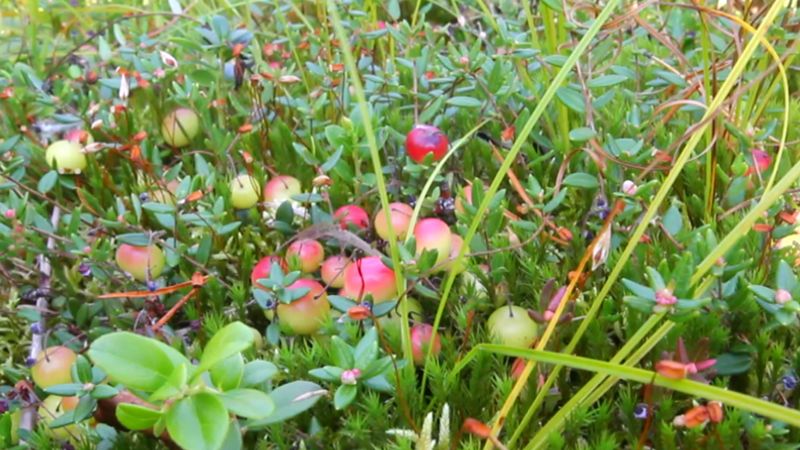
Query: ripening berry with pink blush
[332, 270]
[369, 275]
[421, 335]
[53, 366]
[351, 215]
[424, 139]
[400, 219]
[434, 234]
[263, 267]
[308, 252]
[455, 248]
[281, 189]
[307, 314]
[144, 263]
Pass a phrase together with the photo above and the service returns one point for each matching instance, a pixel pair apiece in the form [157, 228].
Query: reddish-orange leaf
[476, 427]
[359, 312]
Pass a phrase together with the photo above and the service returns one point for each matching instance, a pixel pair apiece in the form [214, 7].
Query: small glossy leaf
[233, 439]
[732, 363]
[464, 102]
[47, 182]
[64, 390]
[582, 134]
[257, 372]
[227, 374]
[199, 422]
[580, 179]
[248, 403]
[136, 417]
[233, 338]
[102, 391]
[173, 386]
[345, 394]
[341, 353]
[327, 373]
[606, 81]
[572, 99]
[290, 400]
[135, 361]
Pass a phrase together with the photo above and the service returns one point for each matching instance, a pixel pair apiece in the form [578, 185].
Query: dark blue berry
[641, 411]
[151, 285]
[85, 269]
[30, 361]
[36, 328]
[789, 381]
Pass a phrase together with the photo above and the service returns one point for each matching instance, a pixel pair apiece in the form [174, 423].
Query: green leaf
[136, 417]
[580, 179]
[581, 134]
[555, 201]
[158, 207]
[290, 400]
[64, 390]
[137, 239]
[227, 374]
[379, 383]
[341, 353]
[786, 278]
[377, 367]
[63, 420]
[104, 49]
[248, 403]
[233, 338]
[606, 81]
[327, 373]
[47, 182]
[257, 372]
[393, 8]
[431, 111]
[672, 220]
[345, 394]
[82, 370]
[464, 102]
[102, 391]
[639, 290]
[233, 439]
[572, 99]
[174, 384]
[199, 422]
[367, 349]
[732, 364]
[135, 361]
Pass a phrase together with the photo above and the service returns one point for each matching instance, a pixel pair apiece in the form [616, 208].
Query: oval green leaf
[199, 422]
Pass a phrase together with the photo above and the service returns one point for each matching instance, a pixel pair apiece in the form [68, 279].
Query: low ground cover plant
[403, 224]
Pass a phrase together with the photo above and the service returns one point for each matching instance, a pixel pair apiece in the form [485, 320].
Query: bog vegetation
[399, 225]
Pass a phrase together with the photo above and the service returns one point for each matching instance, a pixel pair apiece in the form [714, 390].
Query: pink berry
[370, 275]
[433, 234]
[281, 189]
[351, 215]
[308, 252]
[424, 139]
[400, 219]
[332, 270]
[421, 335]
